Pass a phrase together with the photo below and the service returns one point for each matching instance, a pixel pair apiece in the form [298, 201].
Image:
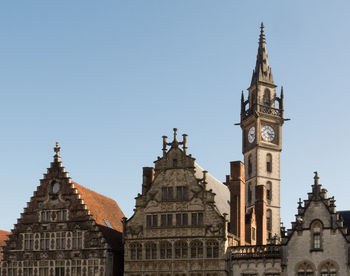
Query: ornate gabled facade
[179, 226]
[66, 229]
[318, 243]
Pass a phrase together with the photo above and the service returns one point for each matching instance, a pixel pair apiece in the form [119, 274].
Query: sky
[108, 78]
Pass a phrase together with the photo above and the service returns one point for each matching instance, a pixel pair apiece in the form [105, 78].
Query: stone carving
[135, 231]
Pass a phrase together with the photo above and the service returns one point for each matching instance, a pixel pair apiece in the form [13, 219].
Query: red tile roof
[3, 238]
[103, 209]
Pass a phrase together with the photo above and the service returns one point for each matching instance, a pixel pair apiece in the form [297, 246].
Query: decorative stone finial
[262, 34]
[316, 188]
[57, 150]
[300, 203]
[175, 134]
[184, 143]
[164, 145]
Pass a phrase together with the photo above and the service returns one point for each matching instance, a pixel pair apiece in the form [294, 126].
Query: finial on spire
[262, 34]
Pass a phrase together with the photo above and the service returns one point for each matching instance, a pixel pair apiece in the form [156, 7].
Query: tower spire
[262, 71]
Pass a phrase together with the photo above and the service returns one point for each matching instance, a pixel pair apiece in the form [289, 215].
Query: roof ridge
[75, 183]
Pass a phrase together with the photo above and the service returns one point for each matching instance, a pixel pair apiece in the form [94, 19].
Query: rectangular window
[166, 220]
[61, 215]
[77, 240]
[45, 216]
[93, 268]
[12, 269]
[197, 219]
[152, 221]
[28, 268]
[167, 193]
[28, 241]
[43, 268]
[181, 219]
[59, 268]
[317, 240]
[181, 193]
[45, 241]
[76, 268]
[61, 240]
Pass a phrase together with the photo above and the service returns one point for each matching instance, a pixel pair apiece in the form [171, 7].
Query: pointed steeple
[262, 71]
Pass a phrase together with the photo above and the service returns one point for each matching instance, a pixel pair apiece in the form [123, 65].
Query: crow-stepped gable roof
[105, 211]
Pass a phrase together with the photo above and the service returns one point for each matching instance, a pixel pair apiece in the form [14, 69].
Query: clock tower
[261, 123]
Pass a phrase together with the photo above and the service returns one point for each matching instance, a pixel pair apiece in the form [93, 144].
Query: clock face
[251, 135]
[56, 187]
[267, 133]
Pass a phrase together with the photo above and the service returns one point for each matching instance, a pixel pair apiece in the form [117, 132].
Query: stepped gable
[103, 209]
[319, 194]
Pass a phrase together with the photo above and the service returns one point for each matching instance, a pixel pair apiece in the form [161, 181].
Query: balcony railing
[256, 252]
[263, 109]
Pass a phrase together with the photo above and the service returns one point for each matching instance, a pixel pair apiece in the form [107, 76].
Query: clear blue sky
[108, 78]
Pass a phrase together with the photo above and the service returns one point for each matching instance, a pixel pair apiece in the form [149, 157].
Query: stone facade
[178, 228]
[66, 229]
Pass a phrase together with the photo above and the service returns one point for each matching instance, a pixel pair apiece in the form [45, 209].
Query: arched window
[181, 250]
[305, 269]
[151, 251]
[316, 232]
[212, 249]
[268, 162]
[328, 269]
[267, 98]
[196, 249]
[269, 220]
[250, 167]
[165, 250]
[269, 190]
[136, 251]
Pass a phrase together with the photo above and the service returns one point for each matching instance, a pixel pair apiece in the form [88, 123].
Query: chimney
[260, 211]
[147, 178]
[236, 184]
